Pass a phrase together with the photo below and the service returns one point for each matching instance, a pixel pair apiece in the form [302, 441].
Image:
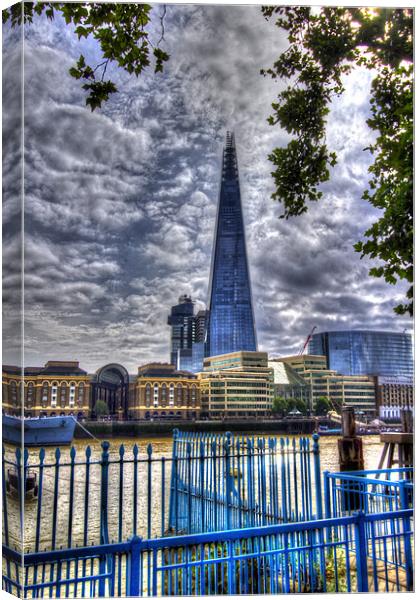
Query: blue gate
[223, 482]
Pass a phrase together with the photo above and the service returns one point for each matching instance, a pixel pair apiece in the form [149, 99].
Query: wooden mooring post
[350, 452]
[403, 442]
[350, 446]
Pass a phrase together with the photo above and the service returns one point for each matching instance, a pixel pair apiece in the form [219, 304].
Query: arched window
[20, 395]
[72, 393]
[44, 394]
[81, 394]
[164, 393]
[29, 394]
[171, 394]
[193, 395]
[63, 394]
[179, 393]
[155, 394]
[54, 392]
[148, 394]
[13, 393]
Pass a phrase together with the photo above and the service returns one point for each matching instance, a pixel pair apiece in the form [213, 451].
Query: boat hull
[44, 431]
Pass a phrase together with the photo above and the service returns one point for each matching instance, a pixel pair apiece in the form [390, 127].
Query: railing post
[135, 557]
[104, 492]
[407, 535]
[174, 499]
[361, 553]
[317, 466]
[327, 495]
[228, 479]
[5, 518]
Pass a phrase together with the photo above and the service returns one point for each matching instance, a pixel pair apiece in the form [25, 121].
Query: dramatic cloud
[120, 204]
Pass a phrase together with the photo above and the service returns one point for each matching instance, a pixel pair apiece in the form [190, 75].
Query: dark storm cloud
[121, 203]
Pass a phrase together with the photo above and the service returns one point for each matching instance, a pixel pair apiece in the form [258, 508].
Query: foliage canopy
[120, 29]
[324, 46]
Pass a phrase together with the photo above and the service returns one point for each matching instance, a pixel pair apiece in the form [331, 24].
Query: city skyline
[121, 203]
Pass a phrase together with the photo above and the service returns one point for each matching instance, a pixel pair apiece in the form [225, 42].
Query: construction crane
[302, 350]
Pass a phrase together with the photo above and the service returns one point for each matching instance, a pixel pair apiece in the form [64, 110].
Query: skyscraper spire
[230, 325]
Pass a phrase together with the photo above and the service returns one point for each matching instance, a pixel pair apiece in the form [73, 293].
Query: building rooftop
[56, 367]
[285, 375]
[163, 370]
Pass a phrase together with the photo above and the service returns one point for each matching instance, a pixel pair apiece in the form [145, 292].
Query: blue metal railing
[377, 490]
[290, 557]
[209, 482]
[247, 482]
[374, 491]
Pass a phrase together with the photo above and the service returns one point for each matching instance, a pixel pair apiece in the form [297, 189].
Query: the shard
[230, 324]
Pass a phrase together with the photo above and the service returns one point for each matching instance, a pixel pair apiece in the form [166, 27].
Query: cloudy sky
[121, 203]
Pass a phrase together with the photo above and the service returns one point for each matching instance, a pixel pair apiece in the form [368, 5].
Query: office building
[187, 335]
[182, 322]
[288, 384]
[353, 390]
[353, 352]
[230, 325]
[236, 385]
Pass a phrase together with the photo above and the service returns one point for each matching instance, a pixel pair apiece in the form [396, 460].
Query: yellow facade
[161, 392]
[48, 391]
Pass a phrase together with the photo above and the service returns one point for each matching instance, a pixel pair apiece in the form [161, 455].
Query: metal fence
[372, 491]
[227, 482]
[223, 514]
[209, 483]
[285, 558]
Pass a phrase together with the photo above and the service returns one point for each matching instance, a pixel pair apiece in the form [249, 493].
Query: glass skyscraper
[384, 353]
[230, 325]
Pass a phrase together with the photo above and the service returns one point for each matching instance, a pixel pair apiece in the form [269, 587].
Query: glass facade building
[182, 322]
[230, 325]
[354, 352]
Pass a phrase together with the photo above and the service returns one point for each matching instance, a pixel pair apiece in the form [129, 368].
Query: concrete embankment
[109, 429]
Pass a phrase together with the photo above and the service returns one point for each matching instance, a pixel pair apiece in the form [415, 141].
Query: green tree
[280, 405]
[325, 45]
[323, 405]
[120, 29]
[297, 404]
[101, 408]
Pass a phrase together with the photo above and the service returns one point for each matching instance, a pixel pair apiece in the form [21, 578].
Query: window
[44, 394]
[29, 394]
[63, 394]
[164, 391]
[81, 394]
[155, 394]
[171, 394]
[148, 393]
[193, 395]
[54, 389]
[13, 393]
[72, 393]
[179, 393]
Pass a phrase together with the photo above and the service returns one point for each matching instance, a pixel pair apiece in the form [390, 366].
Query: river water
[61, 523]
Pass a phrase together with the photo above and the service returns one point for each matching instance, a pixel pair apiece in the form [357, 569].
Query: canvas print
[207, 299]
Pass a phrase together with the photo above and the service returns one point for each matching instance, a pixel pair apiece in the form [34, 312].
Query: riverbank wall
[110, 429]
